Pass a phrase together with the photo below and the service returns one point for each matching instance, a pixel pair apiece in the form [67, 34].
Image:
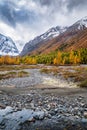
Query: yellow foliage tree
[1, 60]
[34, 61]
[17, 60]
[71, 57]
[59, 58]
[55, 61]
[64, 60]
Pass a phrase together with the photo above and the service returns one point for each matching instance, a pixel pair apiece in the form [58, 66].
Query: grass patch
[72, 75]
[83, 84]
[79, 75]
[45, 70]
[53, 70]
[8, 75]
[14, 75]
[23, 74]
[76, 74]
[17, 67]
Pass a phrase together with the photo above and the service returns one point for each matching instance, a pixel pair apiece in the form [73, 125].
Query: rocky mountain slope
[59, 38]
[7, 46]
[65, 42]
[40, 40]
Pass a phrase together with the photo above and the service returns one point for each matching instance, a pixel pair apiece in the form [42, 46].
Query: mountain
[59, 38]
[7, 46]
[79, 25]
[77, 42]
[37, 41]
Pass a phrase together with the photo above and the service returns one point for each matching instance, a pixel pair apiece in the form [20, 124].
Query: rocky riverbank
[42, 102]
[34, 111]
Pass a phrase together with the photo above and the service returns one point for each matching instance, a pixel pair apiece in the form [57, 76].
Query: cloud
[25, 19]
[11, 13]
[6, 13]
[32, 11]
[76, 4]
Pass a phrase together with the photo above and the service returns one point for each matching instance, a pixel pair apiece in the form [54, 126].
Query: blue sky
[22, 20]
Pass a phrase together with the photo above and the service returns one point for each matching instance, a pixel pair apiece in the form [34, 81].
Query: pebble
[84, 120]
[85, 114]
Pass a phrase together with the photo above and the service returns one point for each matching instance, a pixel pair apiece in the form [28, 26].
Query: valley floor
[47, 98]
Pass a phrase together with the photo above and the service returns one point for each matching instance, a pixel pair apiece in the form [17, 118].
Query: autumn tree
[1, 60]
[71, 57]
[55, 61]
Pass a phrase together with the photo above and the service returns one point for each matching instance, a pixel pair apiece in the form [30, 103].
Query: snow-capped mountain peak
[51, 33]
[54, 32]
[7, 46]
[82, 23]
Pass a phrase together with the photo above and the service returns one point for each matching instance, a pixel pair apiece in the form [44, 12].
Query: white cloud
[33, 17]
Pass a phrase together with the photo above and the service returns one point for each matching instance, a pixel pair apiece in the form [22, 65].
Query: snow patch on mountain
[53, 32]
[7, 46]
[82, 23]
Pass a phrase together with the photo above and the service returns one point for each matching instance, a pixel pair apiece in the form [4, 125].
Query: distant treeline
[56, 58]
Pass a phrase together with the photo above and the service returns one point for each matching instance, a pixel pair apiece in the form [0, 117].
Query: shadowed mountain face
[72, 37]
[7, 46]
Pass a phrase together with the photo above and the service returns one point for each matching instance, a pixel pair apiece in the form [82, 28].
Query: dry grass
[83, 83]
[52, 70]
[22, 74]
[77, 74]
[17, 67]
[14, 75]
